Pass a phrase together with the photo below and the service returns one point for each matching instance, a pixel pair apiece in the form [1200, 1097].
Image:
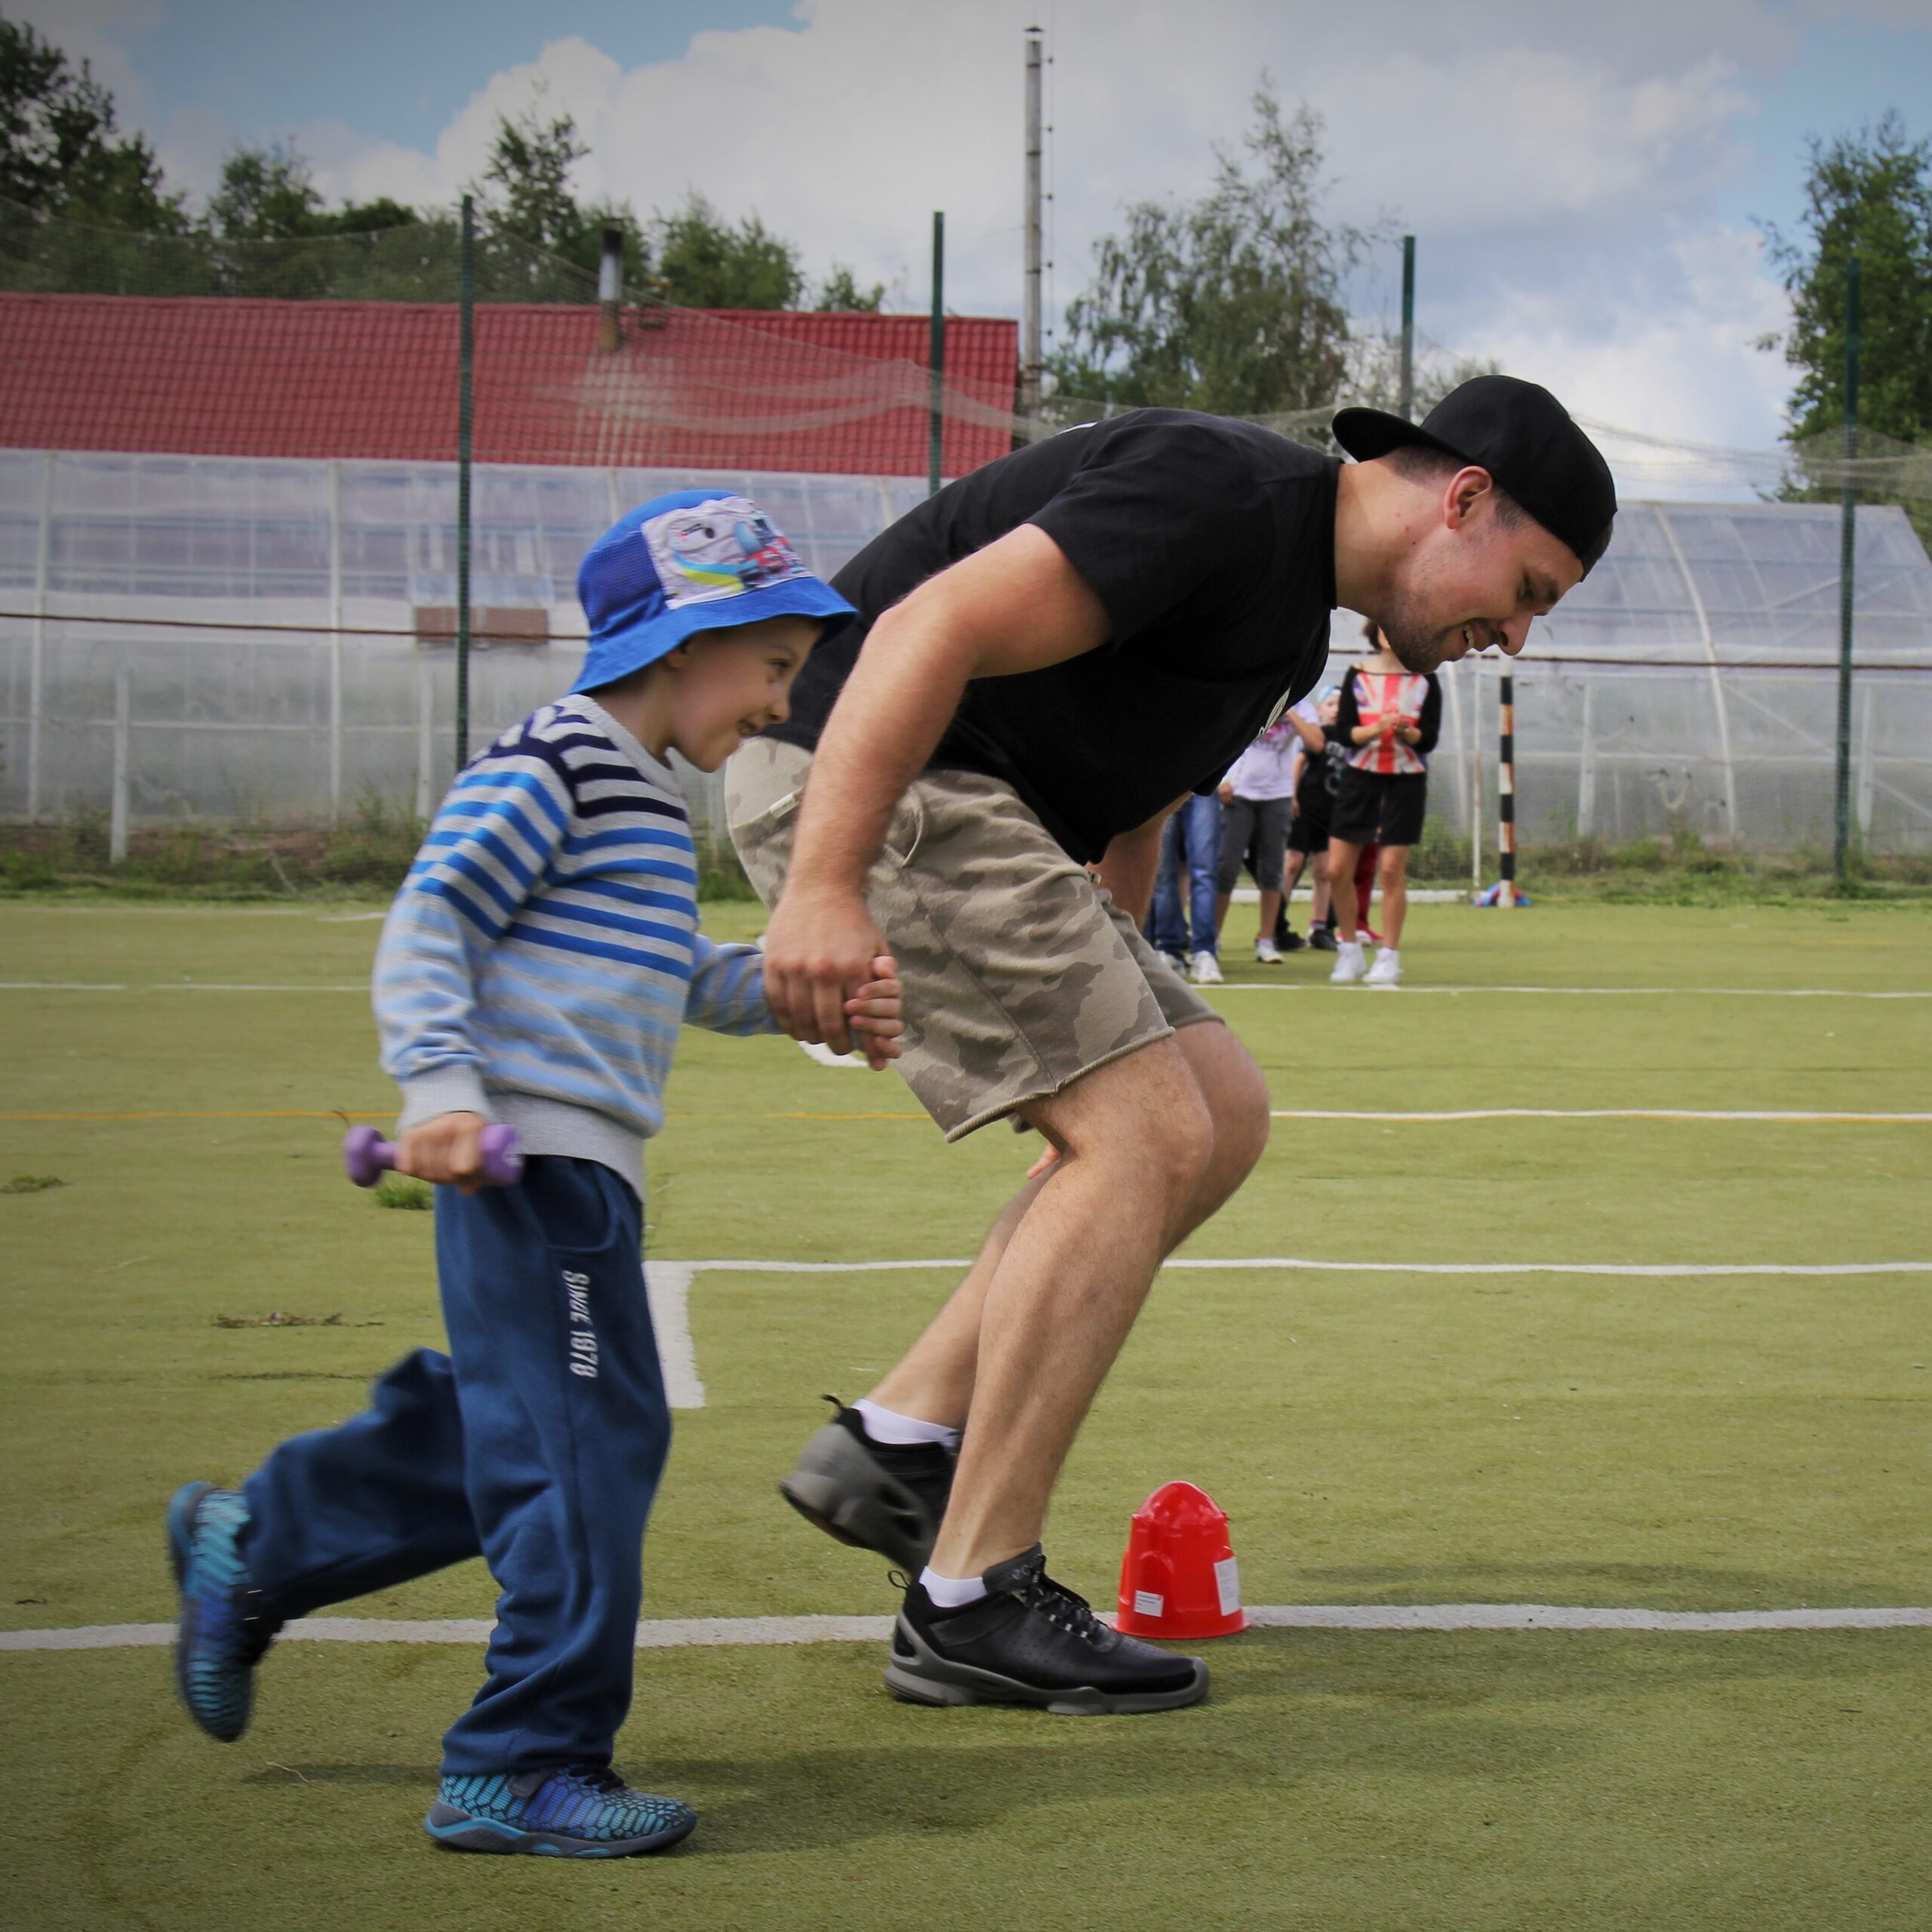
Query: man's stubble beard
[1418, 647]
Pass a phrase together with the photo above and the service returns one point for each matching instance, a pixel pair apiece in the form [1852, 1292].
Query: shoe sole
[929, 1678]
[460, 1831]
[837, 1486]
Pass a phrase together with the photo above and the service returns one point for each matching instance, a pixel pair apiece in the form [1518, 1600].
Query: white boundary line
[1618, 992]
[1230, 986]
[1611, 1113]
[668, 1287]
[670, 1283]
[1659, 1271]
[679, 1633]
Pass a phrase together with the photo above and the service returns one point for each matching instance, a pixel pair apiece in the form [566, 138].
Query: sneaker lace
[1063, 1609]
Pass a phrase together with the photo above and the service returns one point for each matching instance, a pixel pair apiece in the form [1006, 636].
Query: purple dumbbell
[367, 1156]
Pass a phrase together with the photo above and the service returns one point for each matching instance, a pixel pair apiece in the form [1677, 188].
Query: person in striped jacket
[1388, 722]
[535, 969]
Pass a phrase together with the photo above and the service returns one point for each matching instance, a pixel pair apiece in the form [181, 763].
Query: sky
[1585, 183]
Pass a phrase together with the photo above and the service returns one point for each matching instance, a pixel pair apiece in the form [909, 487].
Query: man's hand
[873, 1015]
[821, 949]
[1227, 792]
[444, 1150]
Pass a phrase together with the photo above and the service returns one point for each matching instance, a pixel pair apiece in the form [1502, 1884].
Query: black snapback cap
[1523, 437]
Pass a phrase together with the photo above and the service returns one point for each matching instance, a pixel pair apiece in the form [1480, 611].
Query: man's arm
[1131, 863]
[1017, 605]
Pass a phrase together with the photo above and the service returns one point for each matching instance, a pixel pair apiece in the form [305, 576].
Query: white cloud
[1559, 162]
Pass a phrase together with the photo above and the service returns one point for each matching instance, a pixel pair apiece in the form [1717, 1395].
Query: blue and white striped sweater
[544, 949]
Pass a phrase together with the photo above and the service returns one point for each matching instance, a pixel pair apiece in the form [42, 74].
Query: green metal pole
[935, 435]
[1407, 409]
[1847, 564]
[466, 378]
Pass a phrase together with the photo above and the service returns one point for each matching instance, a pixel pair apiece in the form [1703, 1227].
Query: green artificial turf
[1689, 1443]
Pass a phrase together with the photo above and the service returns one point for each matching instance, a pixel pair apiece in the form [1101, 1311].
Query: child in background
[1257, 799]
[1317, 776]
[534, 969]
[1389, 719]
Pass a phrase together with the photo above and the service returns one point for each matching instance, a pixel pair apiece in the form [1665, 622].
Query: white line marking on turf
[1608, 1113]
[1645, 1270]
[1717, 992]
[668, 1285]
[679, 1633]
[1231, 986]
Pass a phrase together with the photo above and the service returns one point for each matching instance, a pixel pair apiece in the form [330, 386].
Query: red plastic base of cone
[1178, 1580]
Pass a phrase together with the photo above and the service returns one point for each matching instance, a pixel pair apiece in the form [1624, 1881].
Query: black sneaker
[1321, 938]
[888, 1497]
[1029, 1642]
[1287, 939]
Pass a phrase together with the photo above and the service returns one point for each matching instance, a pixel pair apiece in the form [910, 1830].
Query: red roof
[686, 389]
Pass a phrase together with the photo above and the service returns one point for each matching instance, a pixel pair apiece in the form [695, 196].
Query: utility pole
[936, 408]
[1847, 565]
[1030, 363]
[465, 394]
[1408, 408]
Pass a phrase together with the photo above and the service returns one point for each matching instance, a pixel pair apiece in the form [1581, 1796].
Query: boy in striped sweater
[534, 969]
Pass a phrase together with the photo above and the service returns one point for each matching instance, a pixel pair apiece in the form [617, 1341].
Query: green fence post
[465, 374]
[1408, 410]
[1847, 566]
[935, 438]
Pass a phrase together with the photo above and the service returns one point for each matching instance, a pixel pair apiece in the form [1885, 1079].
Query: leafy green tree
[840, 294]
[1869, 194]
[61, 152]
[705, 262]
[1231, 303]
[533, 219]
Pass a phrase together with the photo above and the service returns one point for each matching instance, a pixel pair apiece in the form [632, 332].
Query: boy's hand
[444, 1150]
[873, 1015]
[816, 946]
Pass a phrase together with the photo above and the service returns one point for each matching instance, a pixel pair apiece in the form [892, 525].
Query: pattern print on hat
[721, 547]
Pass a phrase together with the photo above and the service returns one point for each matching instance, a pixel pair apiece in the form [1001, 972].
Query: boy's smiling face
[722, 686]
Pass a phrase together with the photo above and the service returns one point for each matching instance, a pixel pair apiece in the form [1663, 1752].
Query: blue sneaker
[225, 1625]
[580, 1811]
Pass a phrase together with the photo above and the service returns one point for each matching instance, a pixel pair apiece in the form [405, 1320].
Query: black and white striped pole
[1505, 796]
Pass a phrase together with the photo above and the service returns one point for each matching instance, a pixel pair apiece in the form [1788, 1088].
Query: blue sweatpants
[537, 1442]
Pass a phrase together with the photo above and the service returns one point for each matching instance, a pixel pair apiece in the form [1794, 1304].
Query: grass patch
[369, 854]
[1705, 1442]
[405, 1191]
[32, 1184]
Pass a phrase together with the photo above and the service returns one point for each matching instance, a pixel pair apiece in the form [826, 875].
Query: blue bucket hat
[692, 560]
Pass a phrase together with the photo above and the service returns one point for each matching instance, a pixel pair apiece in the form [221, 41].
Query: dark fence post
[465, 382]
[1847, 568]
[936, 439]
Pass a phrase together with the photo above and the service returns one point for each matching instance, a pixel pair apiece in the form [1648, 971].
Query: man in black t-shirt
[1049, 654]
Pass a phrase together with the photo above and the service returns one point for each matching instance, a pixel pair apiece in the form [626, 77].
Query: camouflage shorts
[1020, 975]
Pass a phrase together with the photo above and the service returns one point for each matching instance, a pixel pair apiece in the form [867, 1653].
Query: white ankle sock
[887, 1425]
[950, 1592]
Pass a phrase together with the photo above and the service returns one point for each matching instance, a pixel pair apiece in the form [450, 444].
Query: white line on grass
[668, 1285]
[1232, 986]
[1611, 1113]
[1618, 992]
[680, 1633]
[671, 1283]
[1646, 1270]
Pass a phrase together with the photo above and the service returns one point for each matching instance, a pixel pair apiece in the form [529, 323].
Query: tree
[841, 294]
[60, 151]
[267, 194]
[1869, 195]
[705, 262]
[1231, 303]
[526, 197]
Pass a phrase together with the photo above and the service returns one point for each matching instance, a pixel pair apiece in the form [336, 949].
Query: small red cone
[1178, 1578]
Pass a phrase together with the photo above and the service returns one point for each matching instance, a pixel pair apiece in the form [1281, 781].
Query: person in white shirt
[1257, 800]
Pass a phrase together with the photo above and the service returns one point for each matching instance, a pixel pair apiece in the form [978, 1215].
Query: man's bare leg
[933, 1380]
[1150, 1145]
